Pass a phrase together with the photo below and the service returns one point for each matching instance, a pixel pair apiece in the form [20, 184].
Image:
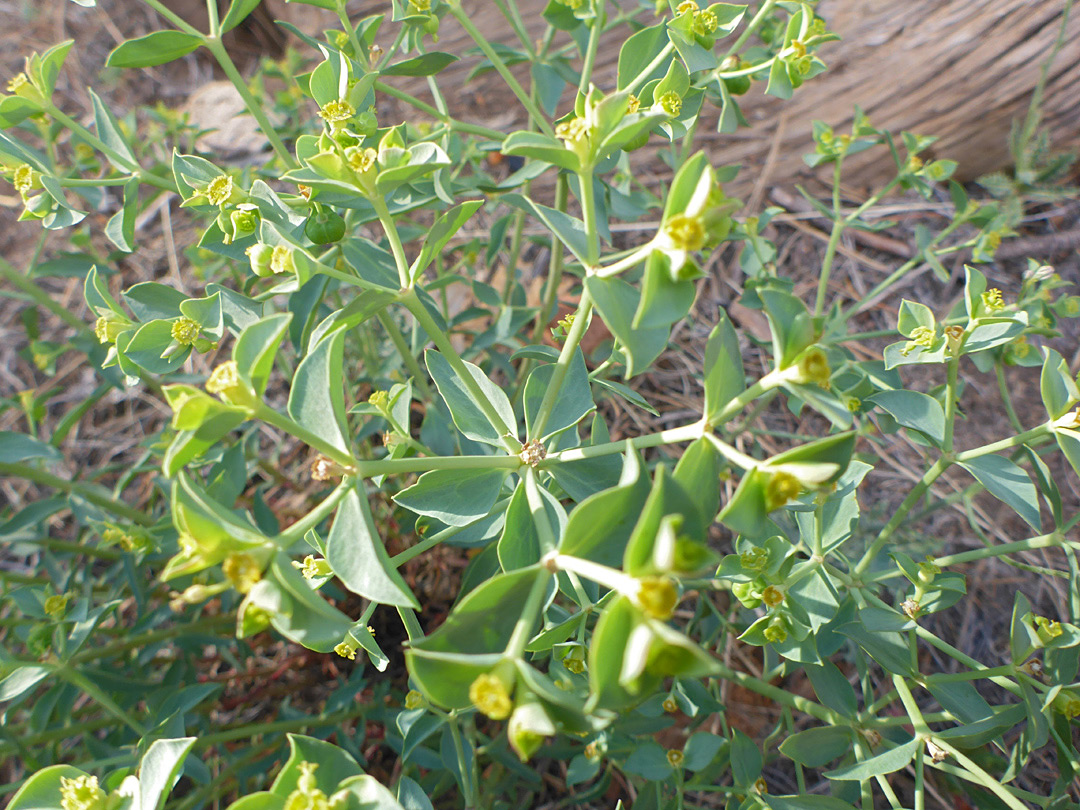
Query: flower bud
[109, 327]
[657, 597]
[783, 487]
[242, 570]
[259, 255]
[243, 220]
[529, 725]
[532, 453]
[413, 700]
[81, 793]
[490, 696]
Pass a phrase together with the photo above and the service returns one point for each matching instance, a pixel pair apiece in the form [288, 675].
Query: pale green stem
[79, 681]
[566, 357]
[41, 297]
[590, 50]
[453, 123]
[442, 342]
[657, 61]
[89, 492]
[752, 26]
[685, 433]
[530, 614]
[953, 374]
[254, 106]
[174, 18]
[398, 339]
[293, 428]
[500, 67]
[317, 515]
[394, 238]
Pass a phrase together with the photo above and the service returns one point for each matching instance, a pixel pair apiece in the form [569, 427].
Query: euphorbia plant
[595, 606]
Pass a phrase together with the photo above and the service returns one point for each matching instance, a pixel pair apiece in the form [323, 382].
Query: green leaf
[238, 11]
[600, 526]
[816, 747]
[471, 640]
[159, 769]
[698, 472]
[120, 229]
[832, 688]
[886, 762]
[317, 397]
[41, 791]
[638, 52]
[108, 129]
[569, 230]
[464, 408]
[913, 315]
[360, 560]
[24, 678]
[455, 497]
[1009, 483]
[335, 765]
[16, 447]
[779, 81]
[256, 348]
[370, 793]
[444, 228]
[155, 48]
[538, 146]
[427, 64]
[914, 410]
[573, 402]
[805, 802]
[746, 760]
[725, 377]
[617, 301]
[519, 544]
[649, 760]
[1058, 386]
[664, 300]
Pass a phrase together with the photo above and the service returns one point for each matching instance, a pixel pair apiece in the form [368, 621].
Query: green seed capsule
[324, 227]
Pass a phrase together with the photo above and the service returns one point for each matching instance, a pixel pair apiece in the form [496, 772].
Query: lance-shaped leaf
[358, 557]
[317, 396]
[456, 497]
[464, 407]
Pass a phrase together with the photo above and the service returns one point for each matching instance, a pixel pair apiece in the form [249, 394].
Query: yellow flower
[224, 378]
[242, 570]
[772, 596]
[670, 705]
[573, 130]
[657, 597]
[17, 83]
[185, 331]
[361, 160]
[56, 605]
[80, 793]
[281, 260]
[307, 796]
[220, 190]
[413, 700]
[346, 649]
[337, 112]
[992, 300]
[686, 6]
[670, 103]
[814, 367]
[675, 758]
[489, 694]
[705, 23]
[782, 488]
[756, 559]
[685, 232]
[920, 337]
[26, 179]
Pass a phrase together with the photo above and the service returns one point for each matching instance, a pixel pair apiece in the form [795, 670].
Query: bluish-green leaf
[1009, 483]
[155, 48]
[317, 397]
[456, 497]
[914, 410]
[464, 407]
[886, 762]
[159, 769]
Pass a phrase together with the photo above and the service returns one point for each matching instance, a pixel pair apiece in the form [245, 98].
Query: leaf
[120, 229]
[804, 802]
[914, 410]
[159, 769]
[1058, 386]
[108, 129]
[600, 526]
[541, 147]
[444, 228]
[638, 52]
[41, 791]
[256, 348]
[725, 377]
[155, 48]
[1008, 483]
[16, 447]
[358, 557]
[22, 680]
[427, 64]
[569, 230]
[317, 397]
[456, 497]
[335, 765]
[464, 407]
[886, 762]
[617, 301]
[817, 746]
[573, 400]
[238, 11]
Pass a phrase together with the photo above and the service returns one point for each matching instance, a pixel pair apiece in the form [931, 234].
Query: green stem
[566, 357]
[453, 123]
[87, 491]
[316, 516]
[590, 50]
[412, 302]
[84, 684]
[407, 357]
[253, 729]
[41, 297]
[350, 29]
[752, 26]
[1026, 437]
[530, 613]
[685, 433]
[174, 18]
[780, 695]
[1006, 397]
[950, 403]
[657, 61]
[500, 66]
[394, 238]
[206, 624]
[285, 423]
[254, 106]
[145, 176]
[834, 242]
